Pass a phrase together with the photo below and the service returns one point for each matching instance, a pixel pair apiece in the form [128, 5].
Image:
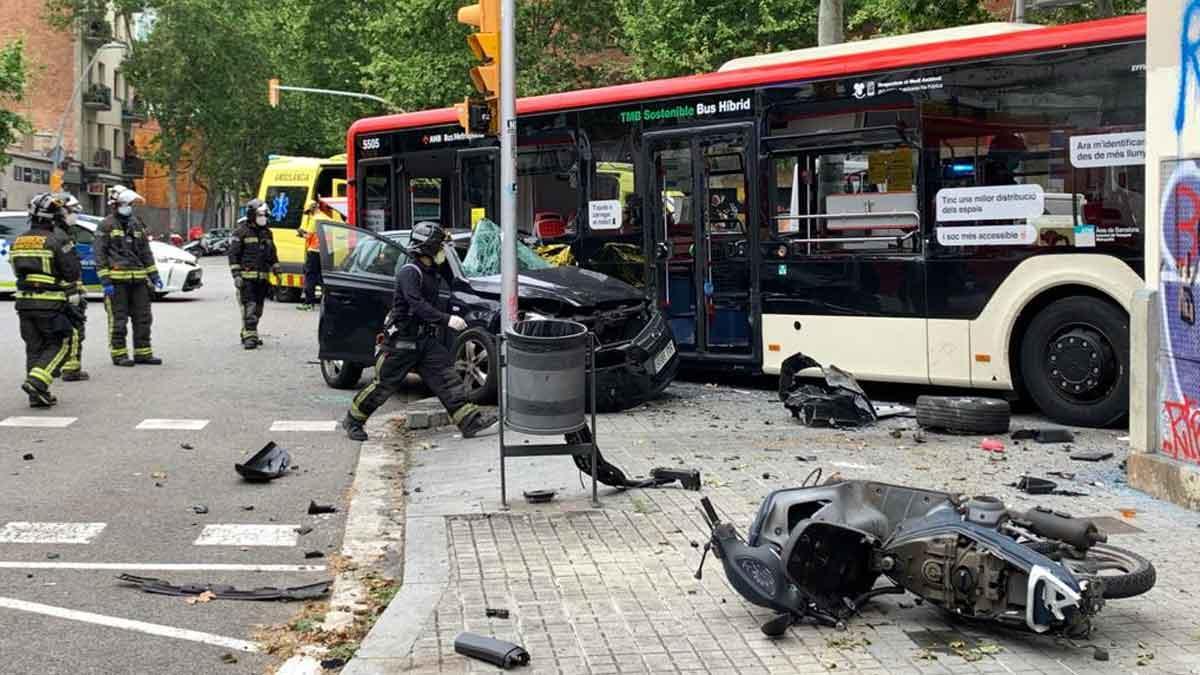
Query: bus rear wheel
[1074, 362]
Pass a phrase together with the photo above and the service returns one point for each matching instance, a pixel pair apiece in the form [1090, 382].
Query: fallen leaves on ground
[206, 596]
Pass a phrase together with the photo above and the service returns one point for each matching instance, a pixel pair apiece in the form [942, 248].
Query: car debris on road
[224, 592]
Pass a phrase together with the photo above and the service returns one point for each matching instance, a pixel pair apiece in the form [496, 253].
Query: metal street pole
[1019, 11]
[56, 153]
[508, 168]
[338, 92]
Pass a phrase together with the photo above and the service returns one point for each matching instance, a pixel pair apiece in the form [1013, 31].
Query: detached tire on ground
[341, 375]
[1074, 362]
[964, 414]
[475, 361]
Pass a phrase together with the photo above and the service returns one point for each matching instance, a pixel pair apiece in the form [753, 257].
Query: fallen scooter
[817, 552]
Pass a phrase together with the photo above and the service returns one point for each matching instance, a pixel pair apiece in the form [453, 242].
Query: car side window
[82, 235]
[11, 226]
[353, 251]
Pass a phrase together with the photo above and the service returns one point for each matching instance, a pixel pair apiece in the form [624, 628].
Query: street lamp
[56, 153]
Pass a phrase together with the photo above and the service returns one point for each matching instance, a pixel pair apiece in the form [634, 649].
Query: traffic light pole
[508, 165]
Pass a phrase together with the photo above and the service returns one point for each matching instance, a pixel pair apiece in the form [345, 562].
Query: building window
[101, 74]
[117, 148]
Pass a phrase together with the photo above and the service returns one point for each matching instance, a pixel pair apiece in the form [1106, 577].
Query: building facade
[84, 112]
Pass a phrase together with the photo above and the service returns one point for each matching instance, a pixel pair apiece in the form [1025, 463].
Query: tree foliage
[204, 67]
[12, 89]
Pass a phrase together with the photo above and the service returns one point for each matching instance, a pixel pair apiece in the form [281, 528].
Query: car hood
[162, 250]
[572, 285]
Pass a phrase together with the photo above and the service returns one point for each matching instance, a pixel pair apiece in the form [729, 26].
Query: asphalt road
[141, 486]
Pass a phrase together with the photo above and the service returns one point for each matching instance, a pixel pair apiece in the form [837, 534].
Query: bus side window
[863, 199]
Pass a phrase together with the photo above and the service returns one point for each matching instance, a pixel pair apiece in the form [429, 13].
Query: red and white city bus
[959, 207]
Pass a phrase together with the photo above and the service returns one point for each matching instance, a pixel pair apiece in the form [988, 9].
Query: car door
[85, 238]
[10, 228]
[358, 269]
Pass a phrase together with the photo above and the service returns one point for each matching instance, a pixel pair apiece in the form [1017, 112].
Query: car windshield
[483, 258]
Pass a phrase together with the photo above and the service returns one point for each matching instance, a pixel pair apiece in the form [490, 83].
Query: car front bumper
[180, 277]
[628, 375]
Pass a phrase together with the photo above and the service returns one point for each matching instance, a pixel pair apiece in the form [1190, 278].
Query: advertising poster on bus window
[1021, 203]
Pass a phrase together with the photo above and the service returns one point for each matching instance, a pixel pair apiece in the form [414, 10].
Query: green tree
[12, 89]
[677, 37]
[898, 17]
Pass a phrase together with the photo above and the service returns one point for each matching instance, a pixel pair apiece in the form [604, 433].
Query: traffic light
[485, 45]
[477, 117]
[273, 92]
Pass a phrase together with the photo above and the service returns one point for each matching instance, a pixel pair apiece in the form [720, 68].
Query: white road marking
[129, 624]
[167, 424]
[39, 422]
[248, 535]
[304, 425]
[49, 533]
[153, 567]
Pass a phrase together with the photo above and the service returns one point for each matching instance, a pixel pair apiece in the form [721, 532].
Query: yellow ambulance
[288, 185]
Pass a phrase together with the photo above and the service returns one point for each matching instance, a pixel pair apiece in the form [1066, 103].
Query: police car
[177, 267]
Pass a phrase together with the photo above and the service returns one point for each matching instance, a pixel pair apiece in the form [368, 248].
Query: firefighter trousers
[47, 342]
[75, 351]
[433, 363]
[252, 296]
[129, 301]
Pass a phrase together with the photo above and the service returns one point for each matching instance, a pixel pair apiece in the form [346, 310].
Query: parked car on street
[177, 267]
[636, 358]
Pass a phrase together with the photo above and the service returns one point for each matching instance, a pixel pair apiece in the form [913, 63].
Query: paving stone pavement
[612, 590]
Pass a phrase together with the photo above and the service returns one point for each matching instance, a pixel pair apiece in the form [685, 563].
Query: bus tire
[963, 414]
[1074, 362]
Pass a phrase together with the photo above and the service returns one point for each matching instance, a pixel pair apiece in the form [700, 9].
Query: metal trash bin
[545, 379]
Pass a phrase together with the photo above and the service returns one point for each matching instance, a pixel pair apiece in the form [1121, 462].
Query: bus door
[703, 232]
[479, 185]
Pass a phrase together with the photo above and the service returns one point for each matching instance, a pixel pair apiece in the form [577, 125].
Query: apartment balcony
[134, 110]
[97, 31]
[133, 167]
[98, 97]
[102, 160]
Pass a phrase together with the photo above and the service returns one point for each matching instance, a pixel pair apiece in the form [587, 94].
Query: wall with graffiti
[1179, 246]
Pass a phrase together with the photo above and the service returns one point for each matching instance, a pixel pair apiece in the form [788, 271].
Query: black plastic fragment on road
[493, 651]
[28, 457]
[303, 530]
[199, 509]
[494, 613]
[224, 592]
[539, 496]
[314, 508]
[1049, 435]
[313, 554]
[839, 402]
[1092, 455]
[612, 476]
[267, 464]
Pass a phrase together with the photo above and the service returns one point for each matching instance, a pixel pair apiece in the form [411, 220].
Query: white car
[177, 267]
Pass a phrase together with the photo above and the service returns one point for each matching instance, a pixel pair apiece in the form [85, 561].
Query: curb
[426, 573]
[369, 536]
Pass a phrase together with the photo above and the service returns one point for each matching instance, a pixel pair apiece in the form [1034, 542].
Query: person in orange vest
[312, 258]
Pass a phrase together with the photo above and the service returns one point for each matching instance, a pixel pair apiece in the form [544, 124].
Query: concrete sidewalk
[612, 590]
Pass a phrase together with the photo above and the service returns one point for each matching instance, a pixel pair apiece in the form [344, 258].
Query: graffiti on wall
[1189, 63]
[1178, 290]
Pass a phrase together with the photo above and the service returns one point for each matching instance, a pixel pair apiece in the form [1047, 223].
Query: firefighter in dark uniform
[410, 341]
[252, 260]
[72, 370]
[47, 269]
[126, 268]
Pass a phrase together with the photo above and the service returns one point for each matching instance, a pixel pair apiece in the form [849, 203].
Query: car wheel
[475, 361]
[341, 375]
[1075, 362]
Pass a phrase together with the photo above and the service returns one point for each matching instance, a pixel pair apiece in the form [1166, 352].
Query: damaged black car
[636, 358]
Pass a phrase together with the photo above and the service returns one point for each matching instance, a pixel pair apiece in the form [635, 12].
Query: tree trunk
[1105, 8]
[172, 196]
[830, 23]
